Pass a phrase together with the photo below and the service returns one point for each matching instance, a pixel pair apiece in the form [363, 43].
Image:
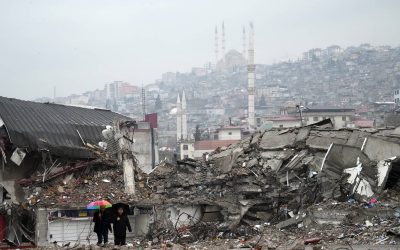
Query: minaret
[178, 119]
[250, 80]
[216, 46]
[223, 42]
[184, 117]
[244, 44]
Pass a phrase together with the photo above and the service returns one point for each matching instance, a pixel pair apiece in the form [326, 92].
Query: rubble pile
[275, 188]
[307, 182]
[272, 173]
[77, 189]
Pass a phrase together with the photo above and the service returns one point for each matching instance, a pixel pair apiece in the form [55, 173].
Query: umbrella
[97, 204]
[123, 205]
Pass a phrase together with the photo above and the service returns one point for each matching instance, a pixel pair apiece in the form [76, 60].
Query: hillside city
[157, 137]
[360, 78]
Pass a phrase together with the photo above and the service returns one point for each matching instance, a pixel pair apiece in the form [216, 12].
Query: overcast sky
[79, 45]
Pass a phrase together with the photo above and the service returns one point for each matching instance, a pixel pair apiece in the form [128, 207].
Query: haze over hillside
[81, 45]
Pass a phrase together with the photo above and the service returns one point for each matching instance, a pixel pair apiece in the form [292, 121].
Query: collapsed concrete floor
[274, 189]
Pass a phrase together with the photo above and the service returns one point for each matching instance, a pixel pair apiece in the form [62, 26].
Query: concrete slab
[357, 138]
[280, 155]
[292, 221]
[274, 164]
[378, 149]
[277, 141]
[303, 134]
[318, 142]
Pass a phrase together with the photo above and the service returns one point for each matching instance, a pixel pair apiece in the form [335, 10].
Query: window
[281, 125]
[229, 133]
[323, 118]
[185, 147]
[306, 119]
[315, 118]
[185, 156]
[344, 118]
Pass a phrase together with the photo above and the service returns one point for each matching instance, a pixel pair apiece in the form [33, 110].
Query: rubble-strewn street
[277, 189]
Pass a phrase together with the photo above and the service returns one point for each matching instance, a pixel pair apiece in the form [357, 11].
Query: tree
[262, 101]
[197, 133]
[158, 104]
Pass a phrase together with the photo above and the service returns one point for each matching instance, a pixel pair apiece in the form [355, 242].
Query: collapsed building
[274, 184]
[44, 142]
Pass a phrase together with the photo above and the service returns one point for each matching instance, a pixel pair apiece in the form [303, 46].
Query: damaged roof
[54, 127]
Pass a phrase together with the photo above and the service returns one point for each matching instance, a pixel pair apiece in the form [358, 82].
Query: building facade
[340, 117]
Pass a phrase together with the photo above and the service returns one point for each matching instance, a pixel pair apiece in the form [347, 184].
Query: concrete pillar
[41, 227]
[126, 157]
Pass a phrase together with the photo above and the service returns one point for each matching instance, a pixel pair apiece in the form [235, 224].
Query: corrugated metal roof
[51, 126]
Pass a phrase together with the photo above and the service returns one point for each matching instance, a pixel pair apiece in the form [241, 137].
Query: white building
[340, 117]
[396, 97]
[187, 150]
[230, 133]
[196, 149]
[208, 146]
[284, 121]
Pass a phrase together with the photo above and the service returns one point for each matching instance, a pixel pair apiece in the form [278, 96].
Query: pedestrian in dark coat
[102, 225]
[120, 224]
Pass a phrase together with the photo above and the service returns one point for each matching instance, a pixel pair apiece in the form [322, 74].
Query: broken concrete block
[277, 141]
[274, 164]
[292, 221]
[323, 139]
[256, 137]
[328, 216]
[378, 149]
[265, 216]
[223, 160]
[210, 208]
[281, 155]
[303, 134]
[249, 188]
[252, 163]
[318, 142]
[18, 156]
[357, 138]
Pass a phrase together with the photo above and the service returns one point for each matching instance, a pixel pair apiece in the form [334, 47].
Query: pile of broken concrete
[300, 180]
[311, 183]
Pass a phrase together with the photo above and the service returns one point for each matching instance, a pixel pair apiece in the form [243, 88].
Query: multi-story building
[340, 117]
[196, 149]
[230, 133]
[396, 97]
[283, 121]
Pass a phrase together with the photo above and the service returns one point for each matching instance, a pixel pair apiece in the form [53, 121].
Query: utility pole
[144, 103]
[299, 108]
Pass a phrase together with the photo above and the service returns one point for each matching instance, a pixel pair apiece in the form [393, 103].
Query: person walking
[120, 224]
[102, 225]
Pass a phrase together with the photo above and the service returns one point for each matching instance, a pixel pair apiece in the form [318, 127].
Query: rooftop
[54, 127]
[212, 144]
[327, 109]
[284, 118]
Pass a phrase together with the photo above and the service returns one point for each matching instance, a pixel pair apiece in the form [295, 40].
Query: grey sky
[79, 45]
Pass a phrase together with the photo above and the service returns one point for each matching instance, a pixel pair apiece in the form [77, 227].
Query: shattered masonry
[277, 177]
[313, 184]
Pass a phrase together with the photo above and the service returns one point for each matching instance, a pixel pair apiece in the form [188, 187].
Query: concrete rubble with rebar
[277, 189]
